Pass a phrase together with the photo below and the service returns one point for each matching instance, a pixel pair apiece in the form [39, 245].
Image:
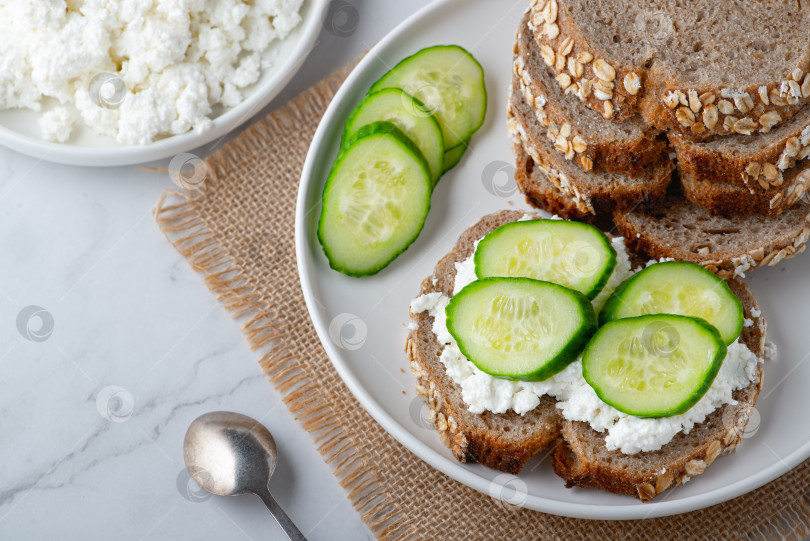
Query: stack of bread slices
[686, 126]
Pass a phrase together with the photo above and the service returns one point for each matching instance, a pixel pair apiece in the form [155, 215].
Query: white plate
[366, 317]
[19, 128]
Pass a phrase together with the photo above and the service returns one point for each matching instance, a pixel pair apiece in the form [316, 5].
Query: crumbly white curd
[576, 399]
[135, 70]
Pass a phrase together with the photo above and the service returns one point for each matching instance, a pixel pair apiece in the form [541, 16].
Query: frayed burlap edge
[180, 217]
[180, 221]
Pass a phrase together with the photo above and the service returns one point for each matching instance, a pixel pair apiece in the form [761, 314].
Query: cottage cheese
[577, 401]
[135, 70]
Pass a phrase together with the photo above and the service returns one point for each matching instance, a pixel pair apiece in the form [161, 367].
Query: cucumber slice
[678, 287]
[449, 82]
[453, 156]
[407, 114]
[571, 254]
[375, 200]
[654, 365]
[519, 328]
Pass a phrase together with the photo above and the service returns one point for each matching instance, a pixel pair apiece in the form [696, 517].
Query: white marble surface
[93, 414]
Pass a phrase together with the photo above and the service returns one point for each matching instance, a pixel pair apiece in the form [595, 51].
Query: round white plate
[19, 128]
[362, 322]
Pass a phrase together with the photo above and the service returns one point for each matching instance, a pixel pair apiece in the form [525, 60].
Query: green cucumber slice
[375, 200]
[654, 365]
[519, 328]
[572, 254]
[678, 287]
[449, 82]
[454, 155]
[407, 114]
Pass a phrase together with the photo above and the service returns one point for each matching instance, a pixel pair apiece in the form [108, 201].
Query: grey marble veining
[110, 345]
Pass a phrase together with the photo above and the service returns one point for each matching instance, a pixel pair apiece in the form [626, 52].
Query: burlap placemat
[238, 231]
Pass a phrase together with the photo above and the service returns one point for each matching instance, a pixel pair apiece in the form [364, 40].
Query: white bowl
[20, 131]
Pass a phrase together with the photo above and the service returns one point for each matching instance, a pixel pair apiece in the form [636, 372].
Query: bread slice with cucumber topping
[582, 459]
[504, 441]
[495, 291]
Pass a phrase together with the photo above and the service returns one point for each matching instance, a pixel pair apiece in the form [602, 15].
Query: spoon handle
[281, 517]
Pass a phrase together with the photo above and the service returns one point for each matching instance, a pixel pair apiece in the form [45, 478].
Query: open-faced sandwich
[537, 332]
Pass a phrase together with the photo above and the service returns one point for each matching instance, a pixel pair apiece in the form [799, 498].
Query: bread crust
[588, 193]
[665, 102]
[628, 156]
[542, 194]
[581, 458]
[623, 104]
[731, 200]
[484, 438]
[473, 437]
[641, 238]
[759, 171]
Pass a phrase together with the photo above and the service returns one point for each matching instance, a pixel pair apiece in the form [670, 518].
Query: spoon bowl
[229, 454]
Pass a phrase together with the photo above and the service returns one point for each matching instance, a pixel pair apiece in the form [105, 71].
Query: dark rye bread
[680, 229]
[757, 162]
[727, 246]
[675, 62]
[507, 441]
[576, 131]
[581, 458]
[594, 192]
[729, 199]
[502, 441]
[543, 194]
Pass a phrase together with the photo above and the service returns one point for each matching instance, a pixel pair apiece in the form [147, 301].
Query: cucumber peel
[453, 156]
[449, 81]
[520, 328]
[572, 254]
[681, 288]
[653, 365]
[406, 113]
[375, 201]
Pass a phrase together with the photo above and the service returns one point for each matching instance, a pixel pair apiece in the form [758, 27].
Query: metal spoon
[229, 454]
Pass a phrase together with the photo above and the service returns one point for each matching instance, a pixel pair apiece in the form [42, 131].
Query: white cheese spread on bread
[577, 401]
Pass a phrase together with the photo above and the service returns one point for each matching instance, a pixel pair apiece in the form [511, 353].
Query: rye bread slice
[593, 192]
[728, 246]
[507, 441]
[581, 458]
[680, 229]
[757, 162]
[576, 131]
[700, 68]
[730, 199]
[543, 194]
[503, 441]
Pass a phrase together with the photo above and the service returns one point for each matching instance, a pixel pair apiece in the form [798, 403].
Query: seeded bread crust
[543, 194]
[575, 131]
[581, 458]
[727, 246]
[758, 163]
[560, 40]
[664, 98]
[595, 193]
[507, 441]
[729, 200]
[679, 229]
[502, 441]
